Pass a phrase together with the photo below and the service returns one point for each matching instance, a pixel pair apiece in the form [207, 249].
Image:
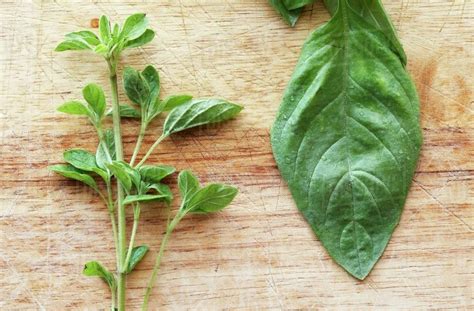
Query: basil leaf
[95, 97]
[211, 198]
[71, 172]
[126, 112]
[136, 86]
[199, 112]
[188, 185]
[138, 253]
[145, 38]
[94, 268]
[75, 108]
[155, 173]
[347, 138]
[296, 4]
[290, 16]
[134, 26]
[104, 29]
[174, 101]
[129, 199]
[374, 13]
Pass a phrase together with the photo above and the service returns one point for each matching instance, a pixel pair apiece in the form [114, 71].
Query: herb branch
[138, 184]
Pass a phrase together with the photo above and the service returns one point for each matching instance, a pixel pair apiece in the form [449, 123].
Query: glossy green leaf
[145, 38]
[134, 26]
[138, 253]
[347, 138]
[374, 13]
[199, 112]
[290, 16]
[71, 172]
[155, 173]
[296, 4]
[94, 268]
[188, 185]
[95, 97]
[211, 198]
[127, 112]
[129, 199]
[75, 108]
[104, 29]
[174, 101]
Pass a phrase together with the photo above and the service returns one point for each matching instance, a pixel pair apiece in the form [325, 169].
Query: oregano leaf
[71, 172]
[74, 108]
[95, 97]
[188, 184]
[199, 112]
[134, 26]
[155, 173]
[174, 101]
[211, 198]
[138, 253]
[145, 38]
[104, 29]
[129, 199]
[94, 268]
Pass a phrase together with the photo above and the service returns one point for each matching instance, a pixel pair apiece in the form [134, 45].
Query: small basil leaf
[146, 37]
[163, 190]
[211, 198]
[155, 173]
[136, 87]
[174, 101]
[104, 29]
[129, 199]
[75, 108]
[94, 268]
[86, 36]
[138, 253]
[134, 26]
[199, 112]
[95, 97]
[188, 184]
[127, 112]
[71, 172]
[72, 45]
[290, 16]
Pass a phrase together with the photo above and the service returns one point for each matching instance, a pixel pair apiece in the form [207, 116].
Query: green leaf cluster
[112, 39]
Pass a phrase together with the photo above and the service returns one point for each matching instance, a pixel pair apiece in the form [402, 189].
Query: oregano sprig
[141, 184]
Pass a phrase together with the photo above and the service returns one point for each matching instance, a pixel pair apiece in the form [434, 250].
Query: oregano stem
[141, 135]
[136, 217]
[156, 268]
[150, 151]
[122, 234]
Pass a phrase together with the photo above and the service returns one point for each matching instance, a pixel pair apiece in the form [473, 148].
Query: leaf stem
[136, 217]
[141, 135]
[156, 268]
[150, 151]
[122, 234]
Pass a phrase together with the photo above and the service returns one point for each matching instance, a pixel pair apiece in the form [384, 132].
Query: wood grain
[259, 254]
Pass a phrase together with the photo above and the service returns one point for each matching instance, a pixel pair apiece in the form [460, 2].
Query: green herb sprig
[140, 183]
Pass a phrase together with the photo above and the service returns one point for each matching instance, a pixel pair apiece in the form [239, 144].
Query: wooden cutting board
[259, 253]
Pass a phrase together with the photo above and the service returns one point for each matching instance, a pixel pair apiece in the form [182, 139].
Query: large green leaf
[347, 138]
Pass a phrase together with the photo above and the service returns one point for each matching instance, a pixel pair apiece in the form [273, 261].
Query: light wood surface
[259, 254]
